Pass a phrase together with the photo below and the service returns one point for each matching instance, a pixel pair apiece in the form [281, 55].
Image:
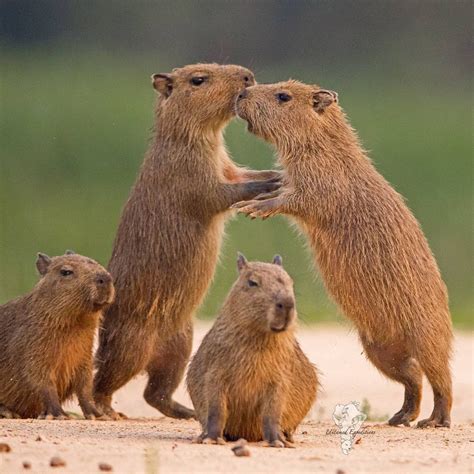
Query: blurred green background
[76, 111]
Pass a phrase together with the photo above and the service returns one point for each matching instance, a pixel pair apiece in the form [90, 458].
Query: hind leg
[437, 370]
[118, 361]
[394, 361]
[165, 371]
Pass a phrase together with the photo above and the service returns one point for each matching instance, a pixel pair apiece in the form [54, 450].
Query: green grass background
[74, 128]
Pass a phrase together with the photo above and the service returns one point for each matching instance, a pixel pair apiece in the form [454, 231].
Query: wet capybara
[46, 338]
[170, 233]
[249, 378]
[371, 251]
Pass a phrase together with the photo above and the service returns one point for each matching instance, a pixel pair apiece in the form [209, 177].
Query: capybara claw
[434, 423]
[8, 414]
[401, 418]
[50, 416]
[273, 444]
[218, 440]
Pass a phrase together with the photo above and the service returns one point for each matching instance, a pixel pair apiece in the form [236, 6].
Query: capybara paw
[253, 209]
[217, 440]
[109, 414]
[434, 423]
[401, 418]
[185, 413]
[273, 194]
[273, 444]
[8, 414]
[175, 410]
[50, 416]
[97, 417]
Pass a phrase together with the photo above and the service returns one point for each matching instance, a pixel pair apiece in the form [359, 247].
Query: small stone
[26, 465]
[56, 461]
[41, 437]
[103, 466]
[340, 471]
[240, 449]
[5, 448]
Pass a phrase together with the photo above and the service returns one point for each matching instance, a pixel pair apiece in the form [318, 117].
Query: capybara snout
[104, 289]
[283, 314]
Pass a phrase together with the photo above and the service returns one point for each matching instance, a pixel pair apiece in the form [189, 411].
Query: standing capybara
[372, 254]
[46, 339]
[249, 378]
[170, 233]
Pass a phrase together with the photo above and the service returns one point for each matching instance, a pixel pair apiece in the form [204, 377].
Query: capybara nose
[243, 94]
[285, 305]
[103, 279]
[249, 79]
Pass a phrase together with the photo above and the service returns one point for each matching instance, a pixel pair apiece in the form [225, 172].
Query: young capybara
[249, 378]
[170, 233]
[46, 338]
[373, 256]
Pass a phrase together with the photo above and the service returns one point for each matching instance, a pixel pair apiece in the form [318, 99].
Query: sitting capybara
[170, 234]
[46, 339]
[249, 378]
[372, 254]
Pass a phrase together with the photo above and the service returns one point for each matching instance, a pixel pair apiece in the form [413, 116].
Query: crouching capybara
[372, 254]
[249, 378]
[170, 233]
[46, 339]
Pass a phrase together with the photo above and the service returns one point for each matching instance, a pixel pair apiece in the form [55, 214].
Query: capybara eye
[283, 97]
[65, 272]
[197, 81]
[252, 283]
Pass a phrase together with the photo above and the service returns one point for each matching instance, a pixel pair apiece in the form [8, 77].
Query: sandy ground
[150, 443]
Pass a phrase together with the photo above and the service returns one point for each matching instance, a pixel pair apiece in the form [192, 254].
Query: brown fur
[46, 338]
[371, 252]
[249, 378]
[170, 233]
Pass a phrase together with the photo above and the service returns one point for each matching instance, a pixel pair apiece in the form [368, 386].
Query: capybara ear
[70, 252]
[323, 98]
[241, 261]
[42, 263]
[277, 260]
[162, 83]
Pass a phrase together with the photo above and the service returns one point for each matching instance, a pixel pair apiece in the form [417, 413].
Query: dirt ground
[149, 443]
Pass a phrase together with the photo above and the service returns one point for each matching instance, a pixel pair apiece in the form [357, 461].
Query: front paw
[264, 209]
[255, 188]
[281, 442]
[217, 440]
[51, 416]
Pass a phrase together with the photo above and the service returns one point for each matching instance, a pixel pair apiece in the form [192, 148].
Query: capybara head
[74, 280]
[281, 112]
[200, 96]
[263, 296]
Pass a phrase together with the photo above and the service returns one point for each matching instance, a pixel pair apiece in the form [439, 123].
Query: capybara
[249, 378]
[170, 233]
[46, 338]
[372, 254]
